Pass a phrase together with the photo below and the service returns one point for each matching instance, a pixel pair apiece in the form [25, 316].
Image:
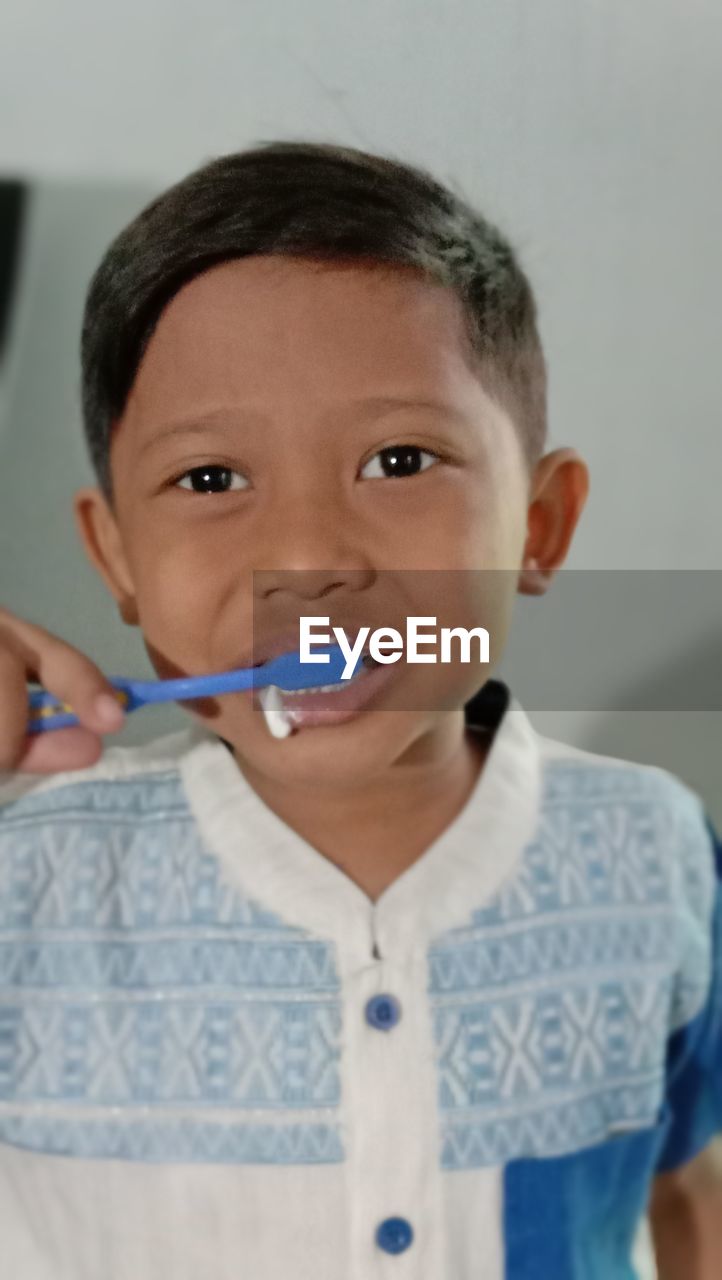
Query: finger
[63, 670]
[13, 708]
[58, 750]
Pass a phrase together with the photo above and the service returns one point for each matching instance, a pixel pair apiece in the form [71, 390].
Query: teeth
[323, 688]
[276, 715]
[274, 711]
[326, 688]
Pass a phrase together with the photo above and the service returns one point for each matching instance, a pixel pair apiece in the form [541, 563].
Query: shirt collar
[459, 872]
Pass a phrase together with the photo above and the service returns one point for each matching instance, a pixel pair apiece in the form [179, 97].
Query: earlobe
[101, 540]
[532, 580]
[128, 611]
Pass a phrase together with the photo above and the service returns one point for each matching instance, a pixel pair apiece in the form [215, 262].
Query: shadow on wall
[627, 663]
[686, 742]
[44, 574]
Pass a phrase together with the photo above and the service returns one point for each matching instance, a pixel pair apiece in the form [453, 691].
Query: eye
[398, 461]
[210, 479]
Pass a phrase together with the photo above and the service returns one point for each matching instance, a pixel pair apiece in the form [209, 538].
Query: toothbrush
[45, 711]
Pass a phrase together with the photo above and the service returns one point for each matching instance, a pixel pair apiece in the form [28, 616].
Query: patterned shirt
[221, 1060]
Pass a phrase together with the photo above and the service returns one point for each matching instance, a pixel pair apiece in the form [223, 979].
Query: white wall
[591, 129]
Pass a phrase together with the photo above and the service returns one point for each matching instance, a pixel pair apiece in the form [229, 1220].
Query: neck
[375, 831]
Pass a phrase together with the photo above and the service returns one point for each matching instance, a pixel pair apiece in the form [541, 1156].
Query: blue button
[383, 1012]
[394, 1235]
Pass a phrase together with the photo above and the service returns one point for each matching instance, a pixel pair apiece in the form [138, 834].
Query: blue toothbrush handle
[45, 711]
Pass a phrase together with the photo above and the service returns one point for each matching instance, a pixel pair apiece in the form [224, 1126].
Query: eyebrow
[371, 405]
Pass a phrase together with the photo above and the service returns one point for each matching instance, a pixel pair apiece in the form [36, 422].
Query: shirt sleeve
[694, 1058]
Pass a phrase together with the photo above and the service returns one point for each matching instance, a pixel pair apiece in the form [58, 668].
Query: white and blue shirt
[219, 1058]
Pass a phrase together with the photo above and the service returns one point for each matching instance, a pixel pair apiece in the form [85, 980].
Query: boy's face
[267, 369]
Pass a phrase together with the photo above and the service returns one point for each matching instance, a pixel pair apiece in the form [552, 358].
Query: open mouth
[288, 710]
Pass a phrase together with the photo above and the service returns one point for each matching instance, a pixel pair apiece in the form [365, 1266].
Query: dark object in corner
[13, 203]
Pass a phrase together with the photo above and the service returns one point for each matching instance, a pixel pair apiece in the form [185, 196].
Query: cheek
[475, 597]
[182, 587]
[449, 523]
[484, 529]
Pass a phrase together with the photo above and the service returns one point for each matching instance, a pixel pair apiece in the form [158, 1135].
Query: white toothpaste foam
[274, 711]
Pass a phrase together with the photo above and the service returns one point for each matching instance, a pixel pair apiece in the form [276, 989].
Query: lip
[312, 709]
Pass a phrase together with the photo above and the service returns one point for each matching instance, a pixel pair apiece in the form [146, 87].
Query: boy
[307, 991]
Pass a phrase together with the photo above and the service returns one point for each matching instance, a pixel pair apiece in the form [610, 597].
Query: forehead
[261, 328]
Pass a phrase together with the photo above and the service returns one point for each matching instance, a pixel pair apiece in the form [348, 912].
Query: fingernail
[108, 709]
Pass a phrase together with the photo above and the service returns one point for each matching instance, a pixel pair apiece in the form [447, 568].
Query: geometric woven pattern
[151, 1011]
[175, 1139]
[132, 976]
[552, 1008]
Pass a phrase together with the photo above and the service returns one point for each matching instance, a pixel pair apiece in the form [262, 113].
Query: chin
[367, 744]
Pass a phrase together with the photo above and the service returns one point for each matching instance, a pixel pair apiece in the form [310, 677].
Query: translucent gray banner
[597, 640]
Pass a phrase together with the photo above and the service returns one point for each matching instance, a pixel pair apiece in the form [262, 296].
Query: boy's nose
[309, 535]
[311, 584]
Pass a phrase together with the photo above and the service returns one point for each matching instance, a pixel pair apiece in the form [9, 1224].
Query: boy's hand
[29, 652]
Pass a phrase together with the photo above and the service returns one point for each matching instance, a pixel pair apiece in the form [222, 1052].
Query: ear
[100, 536]
[559, 490]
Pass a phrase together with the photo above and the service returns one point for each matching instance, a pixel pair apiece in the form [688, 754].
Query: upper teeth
[322, 688]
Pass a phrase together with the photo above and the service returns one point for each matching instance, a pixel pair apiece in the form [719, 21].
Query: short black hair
[319, 201]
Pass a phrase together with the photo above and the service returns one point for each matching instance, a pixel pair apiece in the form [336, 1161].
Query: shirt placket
[391, 1119]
